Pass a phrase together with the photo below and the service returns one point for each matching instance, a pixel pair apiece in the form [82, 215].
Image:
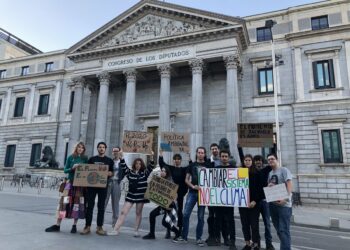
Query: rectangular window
[35, 154]
[71, 102]
[3, 74]
[320, 22]
[48, 66]
[25, 70]
[323, 74]
[0, 105]
[10, 156]
[66, 153]
[43, 104]
[332, 149]
[265, 81]
[19, 107]
[263, 34]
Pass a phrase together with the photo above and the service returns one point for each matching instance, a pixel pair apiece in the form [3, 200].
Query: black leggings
[152, 221]
[250, 223]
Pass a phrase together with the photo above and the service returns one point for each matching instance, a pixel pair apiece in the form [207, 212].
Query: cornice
[35, 75]
[317, 33]
[187, 39]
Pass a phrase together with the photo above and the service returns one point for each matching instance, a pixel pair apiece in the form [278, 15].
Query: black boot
[167, 234]
[74, 229]
[149, 236]
[53, 228]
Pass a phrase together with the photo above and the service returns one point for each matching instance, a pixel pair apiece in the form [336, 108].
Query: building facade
[164, 67]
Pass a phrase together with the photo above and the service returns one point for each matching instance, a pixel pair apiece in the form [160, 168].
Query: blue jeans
[265, 214]
[191, 201]
[281, 221]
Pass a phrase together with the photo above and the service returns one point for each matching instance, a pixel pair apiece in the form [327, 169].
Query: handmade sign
[276, 192]
[137, 142]
[223, 187]
[177, 142]
[161, 191]
[91, 175]
[255, 134]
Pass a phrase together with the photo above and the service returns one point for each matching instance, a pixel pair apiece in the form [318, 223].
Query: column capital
[78, 81]
[196, 65]
[232, 62]
[130, 74]
[104, 77]
[164, 70]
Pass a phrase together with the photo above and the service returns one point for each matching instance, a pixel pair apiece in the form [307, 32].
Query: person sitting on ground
[170, 216]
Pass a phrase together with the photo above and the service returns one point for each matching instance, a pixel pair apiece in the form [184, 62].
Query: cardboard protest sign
[276, 192]
[161, 191]
[91, 175]
[223, 187]
[178, 142]
[137, 142]
[255, 134]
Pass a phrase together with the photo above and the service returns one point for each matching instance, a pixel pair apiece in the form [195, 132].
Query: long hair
[205, 153]
[168, 173]
[75, 149]
[252, 168]
[143, 166]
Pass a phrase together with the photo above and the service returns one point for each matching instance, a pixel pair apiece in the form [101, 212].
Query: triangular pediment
[150, 21]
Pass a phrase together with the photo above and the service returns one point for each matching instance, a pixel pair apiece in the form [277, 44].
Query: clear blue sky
[58, 24]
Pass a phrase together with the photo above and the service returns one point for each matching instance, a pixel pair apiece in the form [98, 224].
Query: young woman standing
[250, 215]
[71, 203]
[137, 177]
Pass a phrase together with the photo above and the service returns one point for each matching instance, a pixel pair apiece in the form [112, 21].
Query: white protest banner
[223, 187]
[276, 192]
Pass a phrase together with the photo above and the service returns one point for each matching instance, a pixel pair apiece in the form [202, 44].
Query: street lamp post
[270, 24]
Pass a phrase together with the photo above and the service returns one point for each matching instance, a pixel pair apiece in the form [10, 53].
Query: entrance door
[154, 131]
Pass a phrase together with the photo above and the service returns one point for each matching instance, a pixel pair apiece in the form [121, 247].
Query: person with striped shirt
[137, 177]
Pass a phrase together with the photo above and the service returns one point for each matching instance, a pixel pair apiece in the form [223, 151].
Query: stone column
[7, 106]
[164, 103]
[102, 105]
[347, 59]
[232, 104]
[197, 105]
[31, 103]
[299, 74]
[75, 124]
[129, 111]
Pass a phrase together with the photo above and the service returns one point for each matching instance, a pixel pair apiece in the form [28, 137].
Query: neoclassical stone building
[164, 67]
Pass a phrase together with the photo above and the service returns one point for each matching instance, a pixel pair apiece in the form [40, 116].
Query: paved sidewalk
[302, 215]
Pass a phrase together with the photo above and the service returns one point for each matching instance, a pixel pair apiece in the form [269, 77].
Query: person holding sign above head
[178, 174]
[100, 159]
[192, 198]
[170, 216]
[281, 210]
[137, 176]
[71, 203]
[250, 215]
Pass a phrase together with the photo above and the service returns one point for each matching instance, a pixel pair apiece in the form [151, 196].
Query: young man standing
[192, 197]
[113, 186]
[91, 193]
[281, 211]
[264, 206]
[224, 216]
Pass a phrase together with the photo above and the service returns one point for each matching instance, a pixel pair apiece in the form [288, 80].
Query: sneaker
[149, 237]
[53, 228]
[200, 243]
[167, 234]
[74, 229]
[270, 247]
[136, 234]
[213, 242]
[85, 231]
[113, 232]
[179, 240]
[100, 231]
[246, 247]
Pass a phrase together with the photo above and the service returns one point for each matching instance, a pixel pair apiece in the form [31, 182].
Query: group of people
[176, 218]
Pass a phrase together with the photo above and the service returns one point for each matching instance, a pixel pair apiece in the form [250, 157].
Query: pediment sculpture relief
[151, 27]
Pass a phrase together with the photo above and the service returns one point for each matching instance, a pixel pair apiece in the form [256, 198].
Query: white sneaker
[136, 234]
[113, 232]
[200, 243]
